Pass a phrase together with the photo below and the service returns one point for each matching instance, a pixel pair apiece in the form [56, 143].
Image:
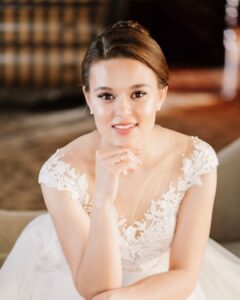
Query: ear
[87, 97]
[162, 92]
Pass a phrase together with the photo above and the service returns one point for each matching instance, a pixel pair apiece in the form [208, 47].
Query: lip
[124, 123]
[124, 131]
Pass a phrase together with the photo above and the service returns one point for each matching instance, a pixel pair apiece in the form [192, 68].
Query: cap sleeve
[203, 160]
[57, 173]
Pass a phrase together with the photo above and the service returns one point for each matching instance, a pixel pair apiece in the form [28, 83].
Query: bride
[130, 203]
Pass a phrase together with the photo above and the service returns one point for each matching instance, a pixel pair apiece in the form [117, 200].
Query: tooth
[124, 126]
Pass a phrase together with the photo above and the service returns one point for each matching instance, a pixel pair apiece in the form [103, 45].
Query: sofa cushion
[226, 212]
[234, 247]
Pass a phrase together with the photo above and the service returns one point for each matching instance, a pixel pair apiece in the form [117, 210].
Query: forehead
[121, 73]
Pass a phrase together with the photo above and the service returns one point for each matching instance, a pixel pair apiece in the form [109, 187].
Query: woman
[130, 203]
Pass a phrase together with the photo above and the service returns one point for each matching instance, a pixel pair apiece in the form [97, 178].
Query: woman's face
[123, 97]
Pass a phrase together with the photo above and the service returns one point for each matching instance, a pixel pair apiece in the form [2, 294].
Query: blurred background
[41, 104]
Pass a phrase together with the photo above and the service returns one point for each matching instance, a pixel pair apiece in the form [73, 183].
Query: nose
[123, 106]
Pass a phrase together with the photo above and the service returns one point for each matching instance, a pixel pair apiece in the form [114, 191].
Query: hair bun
[130, 24]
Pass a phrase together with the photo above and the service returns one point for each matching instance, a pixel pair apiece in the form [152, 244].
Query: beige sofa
[226, 213]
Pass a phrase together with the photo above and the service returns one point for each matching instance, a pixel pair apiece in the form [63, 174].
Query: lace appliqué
[204, 159]
[56, 173]
[150, 238]
[144, 243]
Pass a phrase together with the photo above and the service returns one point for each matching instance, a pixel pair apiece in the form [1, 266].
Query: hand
[110, 163]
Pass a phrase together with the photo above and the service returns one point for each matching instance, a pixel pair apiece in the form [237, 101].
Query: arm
[100, 267]
[93, 257]
[187, 250]
[89, 245]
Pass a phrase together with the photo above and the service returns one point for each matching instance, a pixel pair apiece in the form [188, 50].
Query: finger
[128, 158]
[115, 166]
[111, 151]
[119, 159]
[124, 155]
[128, 168]
[111, 154]
[120, 163]
[135, 157]
[109, 148]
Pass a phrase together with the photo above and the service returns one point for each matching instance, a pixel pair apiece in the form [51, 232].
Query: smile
[124, 129]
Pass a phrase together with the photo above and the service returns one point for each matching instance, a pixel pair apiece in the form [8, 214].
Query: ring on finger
[122, 158]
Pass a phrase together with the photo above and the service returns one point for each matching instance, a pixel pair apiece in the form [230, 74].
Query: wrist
[100, 202]
[100, 207]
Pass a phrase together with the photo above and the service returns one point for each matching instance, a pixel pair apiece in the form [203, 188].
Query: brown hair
[126, 39]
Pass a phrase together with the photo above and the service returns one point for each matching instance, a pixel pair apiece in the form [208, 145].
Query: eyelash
[107, 94]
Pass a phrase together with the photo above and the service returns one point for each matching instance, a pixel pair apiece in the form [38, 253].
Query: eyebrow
[132, 87]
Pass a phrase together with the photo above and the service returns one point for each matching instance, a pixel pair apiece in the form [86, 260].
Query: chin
[130, 143]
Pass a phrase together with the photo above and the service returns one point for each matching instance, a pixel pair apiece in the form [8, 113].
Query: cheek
[101, 111]
[102, 116]
[147, 109]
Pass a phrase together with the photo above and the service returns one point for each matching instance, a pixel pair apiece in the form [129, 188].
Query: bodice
[144, 242]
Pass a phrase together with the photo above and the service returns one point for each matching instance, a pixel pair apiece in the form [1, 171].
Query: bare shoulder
[175, 142]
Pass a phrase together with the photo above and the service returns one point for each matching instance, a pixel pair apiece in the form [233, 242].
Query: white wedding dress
[36, 268]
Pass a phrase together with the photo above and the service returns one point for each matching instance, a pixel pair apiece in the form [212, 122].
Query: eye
[139, 94]
[105, 96]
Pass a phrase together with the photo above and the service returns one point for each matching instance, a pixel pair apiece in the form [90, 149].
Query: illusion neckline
[122, 220]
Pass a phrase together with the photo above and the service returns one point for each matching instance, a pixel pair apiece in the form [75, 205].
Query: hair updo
[126, 39]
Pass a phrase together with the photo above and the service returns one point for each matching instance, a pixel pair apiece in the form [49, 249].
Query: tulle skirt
[36, 269]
